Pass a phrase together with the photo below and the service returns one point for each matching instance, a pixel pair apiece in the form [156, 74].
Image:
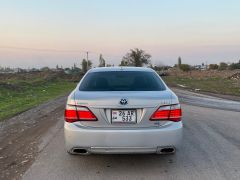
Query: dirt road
[21, 137]
[210, 148]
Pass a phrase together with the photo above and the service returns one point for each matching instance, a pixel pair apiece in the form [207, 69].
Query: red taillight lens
[84, 114]
[73, 114]
[175, 114]
[168, 113]
[161, 114]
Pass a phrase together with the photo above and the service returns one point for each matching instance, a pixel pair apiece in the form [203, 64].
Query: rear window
[122, 81]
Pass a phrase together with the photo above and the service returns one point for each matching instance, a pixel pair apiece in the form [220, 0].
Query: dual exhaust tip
[166, 150]
[160, 150]
[80, 151]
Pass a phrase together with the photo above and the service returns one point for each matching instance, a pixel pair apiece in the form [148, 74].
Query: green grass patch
[20, 95]
[207, 84]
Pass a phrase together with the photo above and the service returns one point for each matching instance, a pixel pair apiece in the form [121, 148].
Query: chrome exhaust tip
[80, 151]
[166, 150]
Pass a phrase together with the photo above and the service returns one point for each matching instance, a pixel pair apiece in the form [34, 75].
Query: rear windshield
[122, 81]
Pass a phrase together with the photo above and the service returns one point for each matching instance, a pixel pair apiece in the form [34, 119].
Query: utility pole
[87, 60]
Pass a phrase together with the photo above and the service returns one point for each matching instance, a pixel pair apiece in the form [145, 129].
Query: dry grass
[19, 92]
[221, 82]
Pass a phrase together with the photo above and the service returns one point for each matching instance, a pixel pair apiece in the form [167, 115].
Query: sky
[37, 33]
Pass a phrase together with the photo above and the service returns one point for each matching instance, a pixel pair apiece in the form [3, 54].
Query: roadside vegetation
[219, 78]
[217, 85]
[20, 92]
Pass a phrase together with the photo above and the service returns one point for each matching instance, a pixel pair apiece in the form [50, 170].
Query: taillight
[175, 113]
[84, 114]
[168, 113]
[73, 114]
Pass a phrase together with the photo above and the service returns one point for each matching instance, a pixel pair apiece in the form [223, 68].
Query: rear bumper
[139, 140]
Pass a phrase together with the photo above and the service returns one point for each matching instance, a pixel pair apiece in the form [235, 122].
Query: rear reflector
[73, 114]
[168, 113]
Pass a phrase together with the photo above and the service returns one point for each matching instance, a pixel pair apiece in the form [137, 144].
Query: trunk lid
[102, 103]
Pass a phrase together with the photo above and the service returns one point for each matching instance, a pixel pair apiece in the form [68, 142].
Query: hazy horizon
[59, 32]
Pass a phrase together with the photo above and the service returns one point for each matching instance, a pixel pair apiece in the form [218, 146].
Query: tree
[136, 57]
[45, 69]
[86, 65]
[179, 61]
[185, 67]
[101, 61]
[123, 63]
[161, 68]
[223, 66]
[213, 66]
[235, 65]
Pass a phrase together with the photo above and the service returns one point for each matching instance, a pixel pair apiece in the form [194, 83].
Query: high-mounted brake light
[74, 113]
[168, 113]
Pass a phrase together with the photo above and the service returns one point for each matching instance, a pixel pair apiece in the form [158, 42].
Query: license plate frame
[125, 120]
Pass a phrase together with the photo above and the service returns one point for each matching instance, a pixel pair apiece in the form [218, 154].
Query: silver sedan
[122, 110]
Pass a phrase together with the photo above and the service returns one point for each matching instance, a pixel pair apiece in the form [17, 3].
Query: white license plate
[124, 116]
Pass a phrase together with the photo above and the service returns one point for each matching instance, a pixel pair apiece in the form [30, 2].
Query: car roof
[120, 68]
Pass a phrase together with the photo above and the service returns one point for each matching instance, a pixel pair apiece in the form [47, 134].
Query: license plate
[124, 116]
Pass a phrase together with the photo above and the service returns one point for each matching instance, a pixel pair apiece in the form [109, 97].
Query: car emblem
[123, 101]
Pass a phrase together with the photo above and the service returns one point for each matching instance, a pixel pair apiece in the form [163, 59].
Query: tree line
[225, 66]
[138, 57]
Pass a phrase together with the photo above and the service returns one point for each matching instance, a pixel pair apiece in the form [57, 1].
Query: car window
[122, 81]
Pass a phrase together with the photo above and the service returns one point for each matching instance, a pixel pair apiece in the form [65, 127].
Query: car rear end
[122, 110]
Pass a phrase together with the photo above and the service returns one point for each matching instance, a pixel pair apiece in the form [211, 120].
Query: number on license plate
[125, 116]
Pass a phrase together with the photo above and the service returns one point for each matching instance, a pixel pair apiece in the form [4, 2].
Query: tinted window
[122, 81]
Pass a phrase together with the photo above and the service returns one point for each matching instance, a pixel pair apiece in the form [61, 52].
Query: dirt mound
[205, 73]
[235, 76]
[38, 76]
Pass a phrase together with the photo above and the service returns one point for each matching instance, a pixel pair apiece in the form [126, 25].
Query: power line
[57, 50]
[41, 49]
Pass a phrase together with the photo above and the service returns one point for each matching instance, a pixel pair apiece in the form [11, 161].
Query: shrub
[213, 66]
[185, 67]
[223, 66]
[234, 66]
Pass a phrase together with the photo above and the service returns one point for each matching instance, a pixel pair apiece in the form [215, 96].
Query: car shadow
[129, 162]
